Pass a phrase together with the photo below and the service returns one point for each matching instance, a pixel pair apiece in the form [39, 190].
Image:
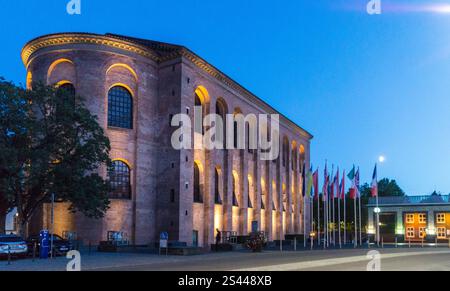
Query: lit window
[422, 232]
[409, 232]
[217, 198]
[409, 218]
[440, 218]
[422, 218]
[119, 177]
[441, 232]
[120, 108]
[235, 186]
[198, 197]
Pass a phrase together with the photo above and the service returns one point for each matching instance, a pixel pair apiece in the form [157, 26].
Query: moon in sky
[381, 159]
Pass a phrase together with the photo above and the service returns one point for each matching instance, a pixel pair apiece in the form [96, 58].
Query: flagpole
[311, 204]
[345, 218]
[304, 221]
[355, 240]
[318, 220]
[360, 218]
[330, 234]
[328, 219]
[325, 237]
[334, 221]
[339, 217]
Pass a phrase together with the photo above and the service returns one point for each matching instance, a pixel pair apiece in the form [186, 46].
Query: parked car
[14, 245]
[60, 245]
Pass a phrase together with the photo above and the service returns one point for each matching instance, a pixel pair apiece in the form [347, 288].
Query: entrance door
[387, 226]
[195, 238]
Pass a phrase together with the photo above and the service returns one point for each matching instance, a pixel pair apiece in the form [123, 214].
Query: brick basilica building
[135, 87]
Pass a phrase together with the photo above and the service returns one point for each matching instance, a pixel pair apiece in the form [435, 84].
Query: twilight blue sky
[363, 85]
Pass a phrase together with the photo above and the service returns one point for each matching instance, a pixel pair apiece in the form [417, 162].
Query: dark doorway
[388, 223]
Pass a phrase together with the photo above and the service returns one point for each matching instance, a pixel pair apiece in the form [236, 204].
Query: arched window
[119, 177]
[198, 197]
[120, 108]
[235, 200]
[285, 152]
[69, 88]
[217, 198]
[198, 102]
[66, 92]
[249, 202]
[221, 111]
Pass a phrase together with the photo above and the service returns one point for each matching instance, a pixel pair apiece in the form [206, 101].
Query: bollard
[295, 243]
[422, 242]
[382, 242]
[34, 250]
[9, 255]
[449, 242]
[368, 242]
[436, 242]
[396, 242]
[409, 243]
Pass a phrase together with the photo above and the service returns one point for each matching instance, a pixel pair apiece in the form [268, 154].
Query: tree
[386, 187]
[50, 144]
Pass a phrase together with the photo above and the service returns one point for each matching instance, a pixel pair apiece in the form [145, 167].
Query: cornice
[81, 38]
[218, 75]
[122, 43]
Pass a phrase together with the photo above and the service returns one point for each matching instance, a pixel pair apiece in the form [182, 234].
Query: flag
[358, 194]
[316, 184]
[336, 183]
[342, 186]
[351, 177]
[309, 183]
[304, 179]
[374, 189]
[332, 188]
[325, 184]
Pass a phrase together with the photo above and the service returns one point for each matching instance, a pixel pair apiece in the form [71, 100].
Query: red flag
[343, 186]
[352, 177]
[316, 184]
[374, 188]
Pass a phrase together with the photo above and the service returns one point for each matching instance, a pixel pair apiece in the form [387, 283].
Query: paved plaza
[318, 260]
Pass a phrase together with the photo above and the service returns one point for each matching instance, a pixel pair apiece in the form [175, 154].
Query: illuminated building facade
[135, 87]
[412, 218]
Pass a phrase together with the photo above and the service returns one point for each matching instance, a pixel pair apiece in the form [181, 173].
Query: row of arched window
[120, 105]
[120, 114]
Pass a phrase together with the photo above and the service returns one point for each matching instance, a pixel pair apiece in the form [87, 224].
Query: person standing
[218, 239]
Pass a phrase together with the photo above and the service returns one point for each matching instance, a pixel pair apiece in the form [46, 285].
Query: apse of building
[135, 87]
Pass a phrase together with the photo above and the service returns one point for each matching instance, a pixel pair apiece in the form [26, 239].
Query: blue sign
[44, 241]
[164, 236]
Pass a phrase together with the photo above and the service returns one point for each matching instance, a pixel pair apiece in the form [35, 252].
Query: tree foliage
[386, 187]
[50, 143]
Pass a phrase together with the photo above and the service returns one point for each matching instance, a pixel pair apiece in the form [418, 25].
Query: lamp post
[381, 159]
[377, 211]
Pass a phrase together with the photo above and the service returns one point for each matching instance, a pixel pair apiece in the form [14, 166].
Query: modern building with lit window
[411, 218]
[135, 87]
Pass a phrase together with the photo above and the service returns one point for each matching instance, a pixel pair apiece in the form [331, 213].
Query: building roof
[157, 51]
[410, 200]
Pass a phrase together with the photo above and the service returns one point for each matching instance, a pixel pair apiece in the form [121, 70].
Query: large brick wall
[162, 177]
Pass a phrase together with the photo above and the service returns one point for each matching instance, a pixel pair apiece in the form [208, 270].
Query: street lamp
[381, 159]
